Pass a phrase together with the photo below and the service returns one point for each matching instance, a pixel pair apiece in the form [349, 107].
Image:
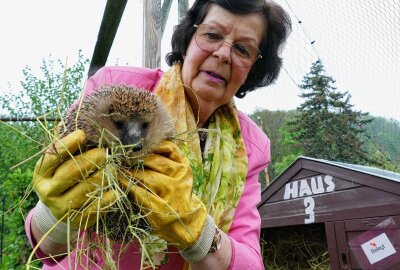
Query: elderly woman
[220, 49]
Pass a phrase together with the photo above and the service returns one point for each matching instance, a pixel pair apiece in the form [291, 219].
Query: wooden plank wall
[348, 200]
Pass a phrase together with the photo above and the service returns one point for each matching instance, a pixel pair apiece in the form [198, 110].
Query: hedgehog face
[121, 116]
[132, 130]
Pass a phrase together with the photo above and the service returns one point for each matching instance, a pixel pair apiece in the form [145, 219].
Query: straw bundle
[295, 248]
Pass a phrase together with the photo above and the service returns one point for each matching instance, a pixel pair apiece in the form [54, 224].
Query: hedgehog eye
[119, 124]
[145, 125]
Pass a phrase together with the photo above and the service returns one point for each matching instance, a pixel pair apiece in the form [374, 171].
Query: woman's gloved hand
[164, 194]
[67, 183]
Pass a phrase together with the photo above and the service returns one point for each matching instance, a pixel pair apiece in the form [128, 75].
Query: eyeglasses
[209, 38]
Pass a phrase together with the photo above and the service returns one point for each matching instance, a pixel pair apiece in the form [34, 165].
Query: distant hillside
[382, 135]
[385, 134]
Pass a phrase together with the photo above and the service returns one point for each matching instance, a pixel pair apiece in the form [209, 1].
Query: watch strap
[216, 243]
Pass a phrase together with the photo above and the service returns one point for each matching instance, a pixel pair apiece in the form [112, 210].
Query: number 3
[309, 204]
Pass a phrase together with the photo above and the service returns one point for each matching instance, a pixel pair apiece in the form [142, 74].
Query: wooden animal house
[321, 214]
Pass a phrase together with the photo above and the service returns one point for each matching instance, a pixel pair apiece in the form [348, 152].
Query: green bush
[17, 201]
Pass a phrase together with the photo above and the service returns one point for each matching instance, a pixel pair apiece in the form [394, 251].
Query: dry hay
[124, 223]
[302, 247]
[127, 222]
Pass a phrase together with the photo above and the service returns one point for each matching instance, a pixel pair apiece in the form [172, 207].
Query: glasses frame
[259, 56]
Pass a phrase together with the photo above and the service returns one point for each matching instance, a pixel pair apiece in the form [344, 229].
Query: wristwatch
[216, 243]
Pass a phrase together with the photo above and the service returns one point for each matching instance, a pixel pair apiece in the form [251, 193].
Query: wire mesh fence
[357, 41]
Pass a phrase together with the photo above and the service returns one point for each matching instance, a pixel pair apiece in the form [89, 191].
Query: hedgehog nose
[136, 143]
[137, 147]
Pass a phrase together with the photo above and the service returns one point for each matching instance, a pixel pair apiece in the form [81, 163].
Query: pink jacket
[245, 230]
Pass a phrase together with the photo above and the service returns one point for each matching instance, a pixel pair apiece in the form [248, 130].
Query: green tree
[326, 126]
[288, 147]
[40, 95]
[283, 152]
[49, 93]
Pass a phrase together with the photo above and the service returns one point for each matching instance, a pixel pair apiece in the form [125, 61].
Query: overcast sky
[357, 41]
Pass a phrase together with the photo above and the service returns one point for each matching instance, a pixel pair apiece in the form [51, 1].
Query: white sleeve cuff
[200, 249]
[45, 221]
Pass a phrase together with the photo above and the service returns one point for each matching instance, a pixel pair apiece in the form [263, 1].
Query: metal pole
[27, 119]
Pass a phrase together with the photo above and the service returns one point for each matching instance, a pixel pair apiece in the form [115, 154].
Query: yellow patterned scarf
[220, 173]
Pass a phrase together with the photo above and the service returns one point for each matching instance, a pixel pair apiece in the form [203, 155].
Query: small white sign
[378, 248]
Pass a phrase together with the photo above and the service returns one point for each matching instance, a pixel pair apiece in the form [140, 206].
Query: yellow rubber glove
[71, 184]
[164, 194]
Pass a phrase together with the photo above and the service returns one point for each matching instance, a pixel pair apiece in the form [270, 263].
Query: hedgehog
[127, 118]
[120, 115]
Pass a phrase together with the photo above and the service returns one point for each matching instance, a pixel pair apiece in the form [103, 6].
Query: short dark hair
[278, 27]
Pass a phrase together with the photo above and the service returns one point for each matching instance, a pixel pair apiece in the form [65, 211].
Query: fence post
[152, 33]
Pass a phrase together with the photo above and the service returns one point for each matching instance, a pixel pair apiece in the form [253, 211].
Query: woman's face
[212, 75]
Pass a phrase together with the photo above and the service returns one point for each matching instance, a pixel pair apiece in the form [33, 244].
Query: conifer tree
[326, 126]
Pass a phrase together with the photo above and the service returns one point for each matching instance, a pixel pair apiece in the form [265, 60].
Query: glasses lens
[244, 54]
[209, 38]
